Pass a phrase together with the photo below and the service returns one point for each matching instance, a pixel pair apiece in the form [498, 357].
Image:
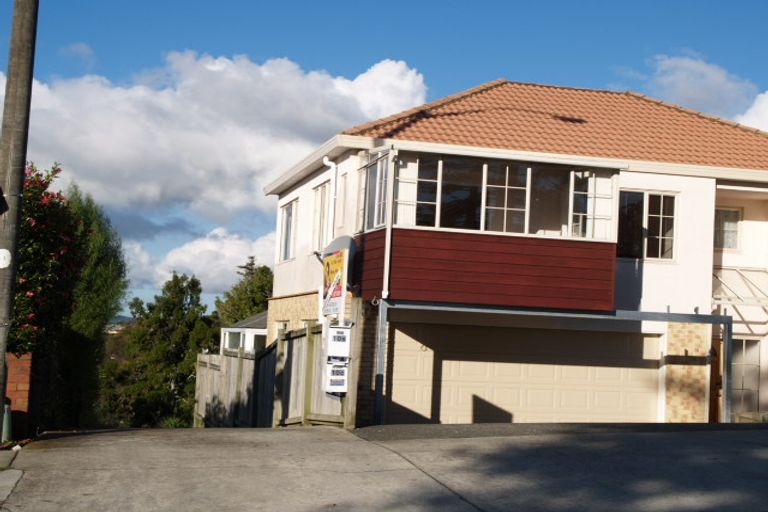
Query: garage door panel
[503, 375]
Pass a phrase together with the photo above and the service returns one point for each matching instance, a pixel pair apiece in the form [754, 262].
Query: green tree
[249, 296]
[155, 385]
[98, 294]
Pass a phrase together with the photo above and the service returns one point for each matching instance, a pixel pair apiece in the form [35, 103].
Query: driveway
[414, 469]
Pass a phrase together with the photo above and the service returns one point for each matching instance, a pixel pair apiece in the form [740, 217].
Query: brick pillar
[687, 372]
[17, 391]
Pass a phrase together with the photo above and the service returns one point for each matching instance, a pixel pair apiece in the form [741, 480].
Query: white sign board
[336, 378]
[339, 341]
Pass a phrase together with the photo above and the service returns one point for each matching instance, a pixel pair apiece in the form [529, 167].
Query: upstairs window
[416, 190]
[321, 235]
[646, 225]
[461, 193]
[506, 197]
[375, 190]
[727, 228]
[288, 230]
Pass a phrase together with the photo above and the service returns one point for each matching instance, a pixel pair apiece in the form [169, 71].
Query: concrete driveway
[415, 468]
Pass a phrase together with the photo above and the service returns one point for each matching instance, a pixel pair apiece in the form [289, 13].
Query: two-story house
[532, 253]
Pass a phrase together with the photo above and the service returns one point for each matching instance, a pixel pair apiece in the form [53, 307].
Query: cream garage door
[462, 374]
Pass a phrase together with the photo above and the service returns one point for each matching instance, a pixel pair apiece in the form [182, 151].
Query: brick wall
[366, 382]
[687, 372]
[18, 392]
[294, 309]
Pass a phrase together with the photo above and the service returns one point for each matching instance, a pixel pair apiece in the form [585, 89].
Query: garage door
[461, 374]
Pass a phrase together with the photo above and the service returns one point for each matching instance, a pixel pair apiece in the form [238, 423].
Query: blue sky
[174, 114]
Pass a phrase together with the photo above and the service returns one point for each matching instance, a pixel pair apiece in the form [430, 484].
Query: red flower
[30, 294]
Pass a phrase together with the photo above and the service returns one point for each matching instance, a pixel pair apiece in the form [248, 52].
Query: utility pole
[13, 159]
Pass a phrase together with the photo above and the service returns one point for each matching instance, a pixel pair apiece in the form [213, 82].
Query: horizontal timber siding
[369, 263]
[439, 266]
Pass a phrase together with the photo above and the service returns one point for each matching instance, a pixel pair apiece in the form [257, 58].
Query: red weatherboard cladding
[370, 263]
[440, 266]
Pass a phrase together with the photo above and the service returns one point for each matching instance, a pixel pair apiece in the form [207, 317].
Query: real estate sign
[334, 281]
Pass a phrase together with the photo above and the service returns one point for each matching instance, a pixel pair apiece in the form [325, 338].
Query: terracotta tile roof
[551, 119]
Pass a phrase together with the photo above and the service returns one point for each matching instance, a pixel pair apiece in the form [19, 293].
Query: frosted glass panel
[406, 214]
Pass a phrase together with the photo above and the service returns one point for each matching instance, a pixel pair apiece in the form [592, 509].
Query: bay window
[503, 196]
[374, 190]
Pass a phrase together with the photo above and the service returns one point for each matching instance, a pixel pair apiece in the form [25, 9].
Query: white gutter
[702, 171]
[331, 148]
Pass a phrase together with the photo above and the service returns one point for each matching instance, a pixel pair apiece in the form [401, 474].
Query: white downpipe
[392, 156]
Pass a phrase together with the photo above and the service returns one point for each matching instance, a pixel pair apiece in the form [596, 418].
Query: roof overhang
[339, 144]
[332, 148]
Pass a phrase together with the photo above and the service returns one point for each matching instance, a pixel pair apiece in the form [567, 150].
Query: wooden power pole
[13, 159]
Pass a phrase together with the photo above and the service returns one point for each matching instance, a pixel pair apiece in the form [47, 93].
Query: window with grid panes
[506, 197]
[660, 226]
[727, 228]
[416, 190]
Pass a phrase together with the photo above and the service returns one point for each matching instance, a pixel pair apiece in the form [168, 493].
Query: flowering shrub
[48, 263]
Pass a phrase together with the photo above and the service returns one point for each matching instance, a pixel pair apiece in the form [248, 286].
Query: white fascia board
[330, 148]
[676, 169]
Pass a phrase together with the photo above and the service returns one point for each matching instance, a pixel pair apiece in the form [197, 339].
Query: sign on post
[334, 281]
[336, 377]
[339, 341]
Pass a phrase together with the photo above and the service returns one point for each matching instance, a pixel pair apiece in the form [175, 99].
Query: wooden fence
[300, 379]
[235, 389]
[281, 385]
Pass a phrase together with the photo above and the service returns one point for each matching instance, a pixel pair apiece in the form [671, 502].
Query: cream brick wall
[687, 385]
[294, 309]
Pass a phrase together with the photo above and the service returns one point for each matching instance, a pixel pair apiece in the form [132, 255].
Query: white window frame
[288, 232]
[321, 229]
[591, 193]
[740, 212]
[675, 223]
[379, 159]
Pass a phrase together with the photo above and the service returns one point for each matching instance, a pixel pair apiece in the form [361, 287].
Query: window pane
[461, 194]
[666, 248]
[579, 203]
[549, 199]
[653, 248]
[425, 215]
[518, 175]
[494, 196]
[654, 204]
[581, 181]
[370, 197]
[751, 376]
[427, 191]
[738, 353]
[752, 352]
[494, 219]
[630, 243]
[579, 226]
[669, 205]
[515, 221]
[497, 173]
[405, 191]
[668, 227]
[516, 198]
[428, 167]
[654, 226]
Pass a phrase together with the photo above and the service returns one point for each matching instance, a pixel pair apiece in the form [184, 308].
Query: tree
[155, 385]
[97, 297]
[49, 264]
[249, 296]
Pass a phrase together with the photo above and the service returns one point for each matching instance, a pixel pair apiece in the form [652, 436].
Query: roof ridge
[569, 87]
[427, 106]
[696, 113]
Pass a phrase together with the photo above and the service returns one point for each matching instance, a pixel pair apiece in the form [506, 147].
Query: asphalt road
[482, 468]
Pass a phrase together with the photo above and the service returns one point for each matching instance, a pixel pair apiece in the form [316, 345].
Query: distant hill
[119, 319]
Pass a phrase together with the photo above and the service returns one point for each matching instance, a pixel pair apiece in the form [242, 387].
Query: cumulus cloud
[204, 132]
[141, 267]
[757, 114]
[214, 258]
[700, 85]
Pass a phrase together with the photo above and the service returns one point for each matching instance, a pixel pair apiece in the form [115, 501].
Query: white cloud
[204, 132]
[700, 85]
[81, 52]
[757, 114]
[141, 267]
[214, 258]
